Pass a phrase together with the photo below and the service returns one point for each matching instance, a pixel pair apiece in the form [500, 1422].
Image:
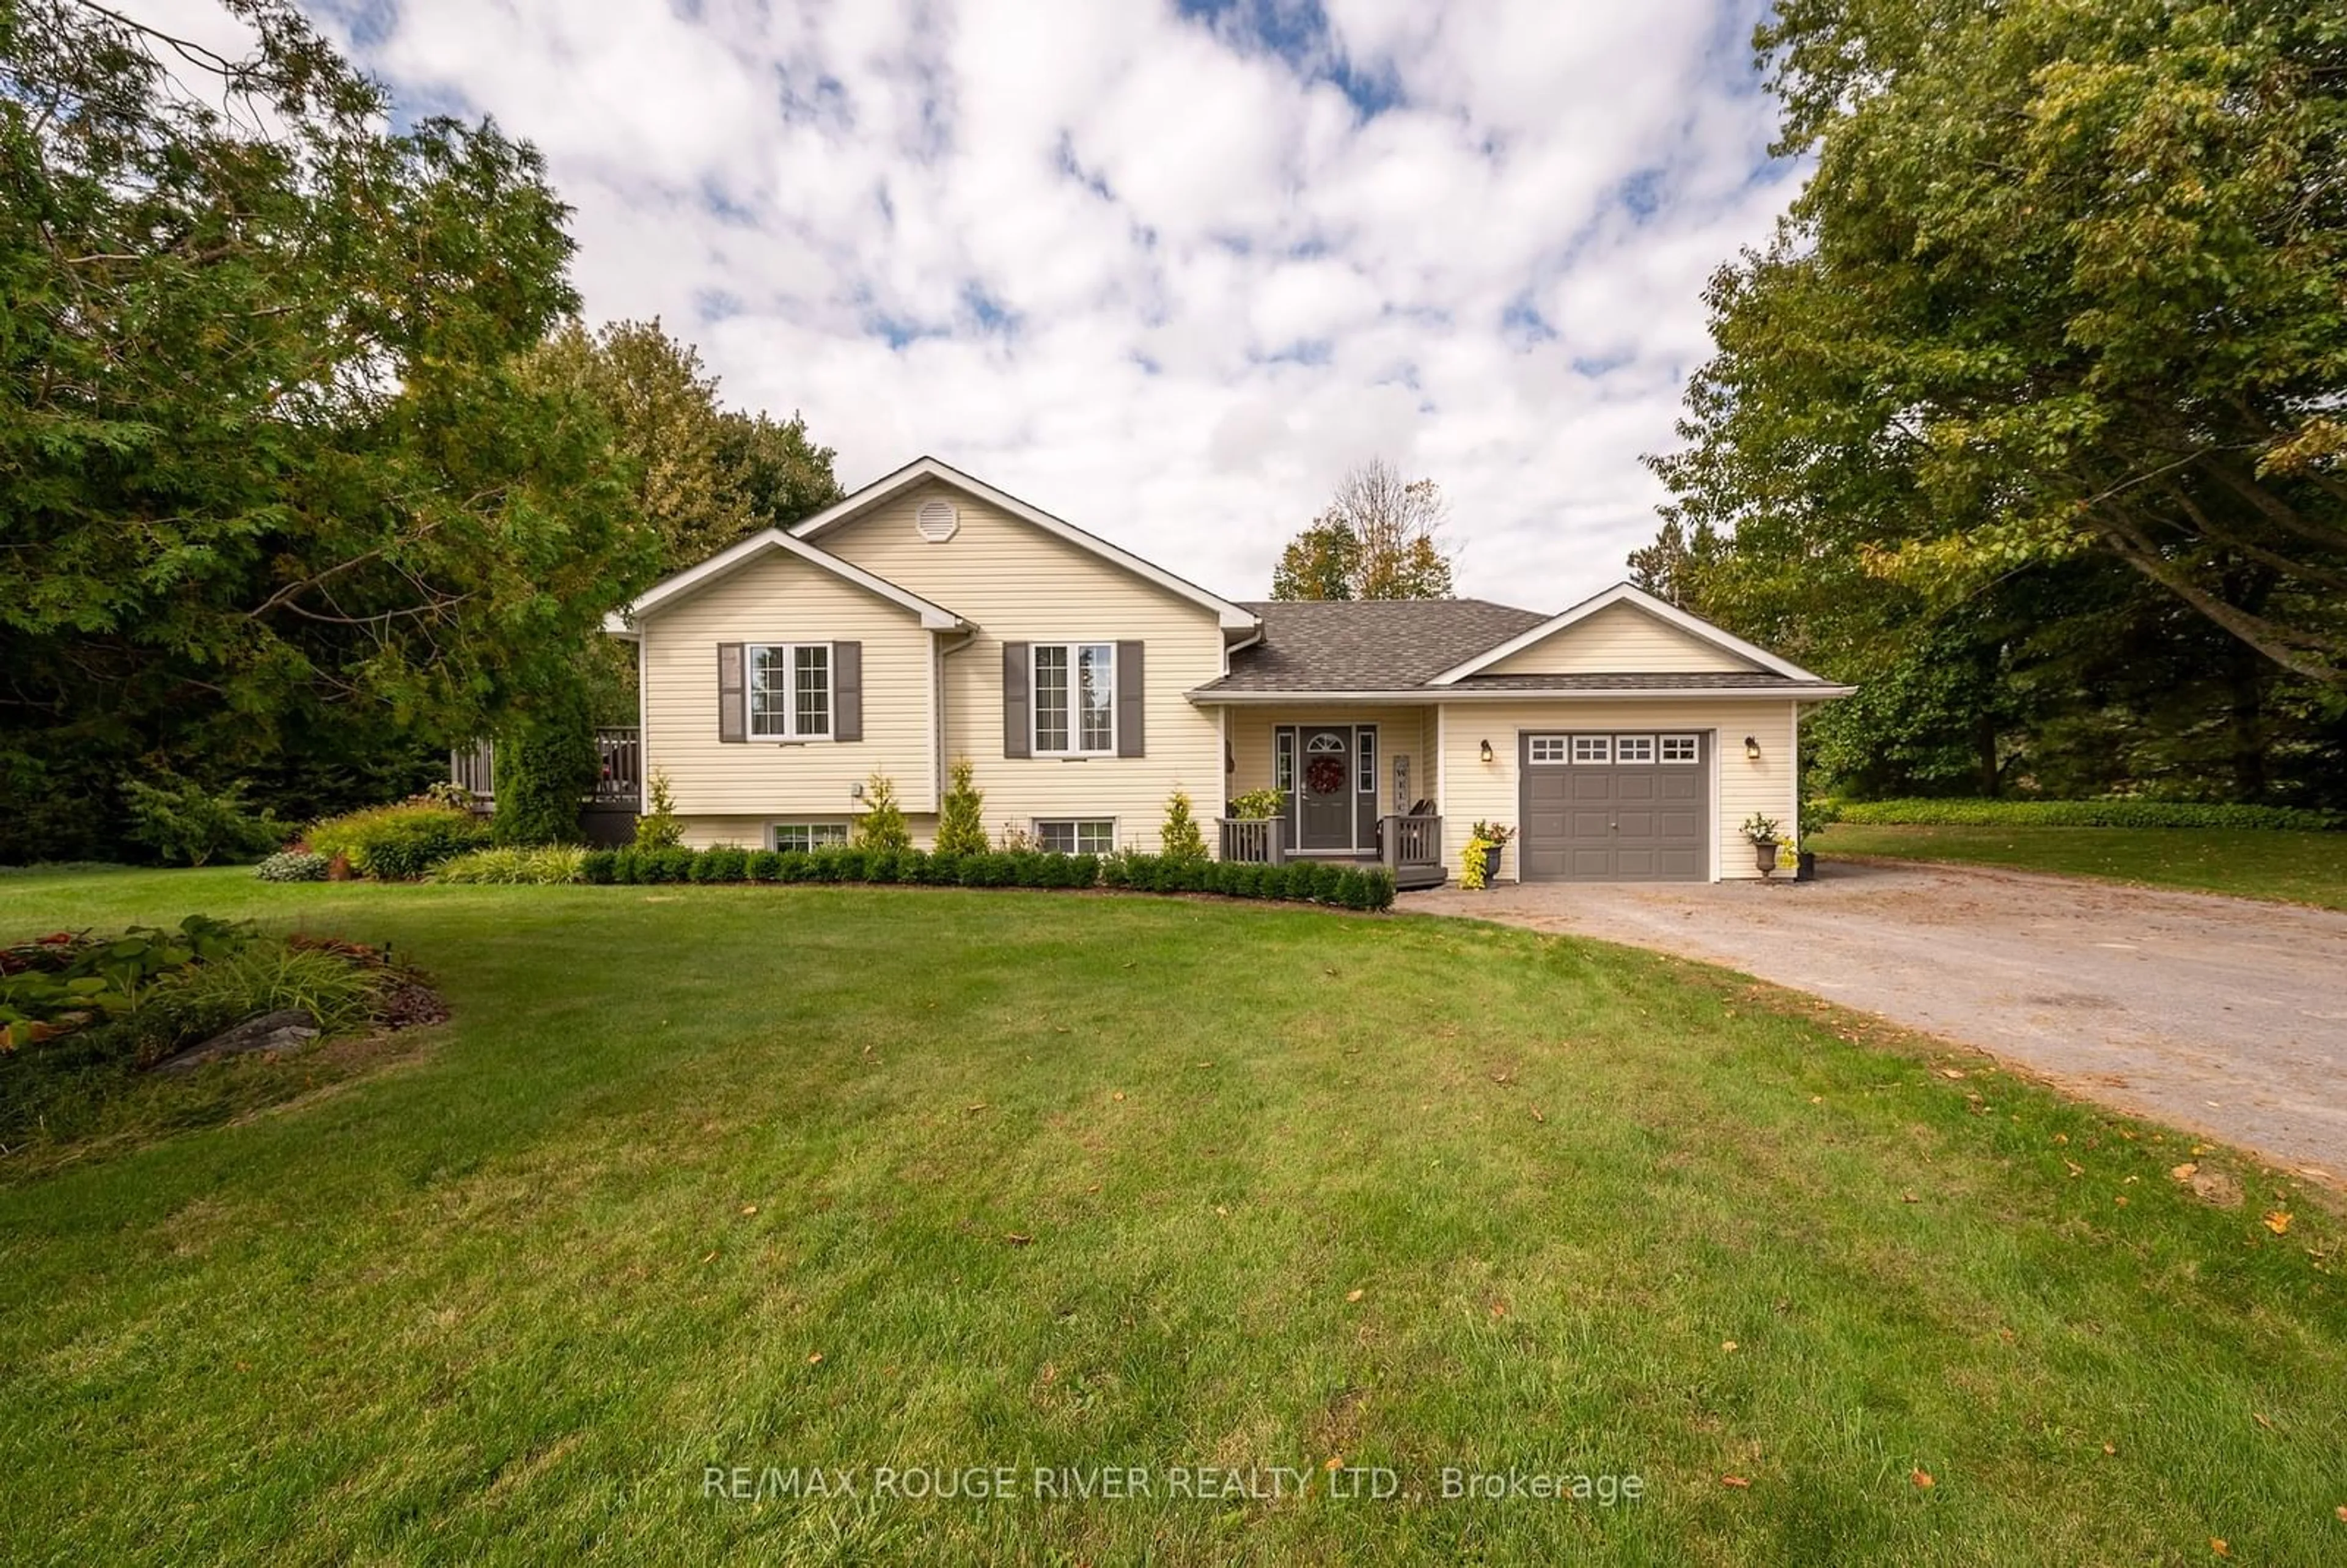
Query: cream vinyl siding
[1474, 789]
[781, 598]
[1402, 732]
[1615, 640]
[1016, 583]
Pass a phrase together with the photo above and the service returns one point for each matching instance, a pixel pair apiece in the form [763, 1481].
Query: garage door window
[1633, 748]
[1548, 748]
[1592, 748]
[1679, 748]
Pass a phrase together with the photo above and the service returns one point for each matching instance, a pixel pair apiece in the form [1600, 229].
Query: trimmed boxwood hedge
[1305, 881]
[2125, 813]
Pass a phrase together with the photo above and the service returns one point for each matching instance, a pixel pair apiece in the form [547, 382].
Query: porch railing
[1407, 842]
[1258, 841]
[619, 780]
[619, 772]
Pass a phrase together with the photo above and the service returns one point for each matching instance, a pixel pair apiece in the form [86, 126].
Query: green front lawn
[820, 1177]
[2295, 868]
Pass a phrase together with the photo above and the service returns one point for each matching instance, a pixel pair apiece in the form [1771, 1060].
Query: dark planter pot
[1805, 866]
[1764, 855]
[1492, 866]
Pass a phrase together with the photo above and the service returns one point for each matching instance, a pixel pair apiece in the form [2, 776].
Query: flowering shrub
[293, 865]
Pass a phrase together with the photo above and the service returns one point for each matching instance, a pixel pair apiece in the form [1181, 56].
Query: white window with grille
[1592, 748]
[788, 692]
[805, 835]
[1681, 748]
[1633, 748]
[1077, 836]
[1075, 698]
[1547, 749]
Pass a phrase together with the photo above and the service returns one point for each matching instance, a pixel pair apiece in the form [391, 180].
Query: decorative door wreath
[1326, 775]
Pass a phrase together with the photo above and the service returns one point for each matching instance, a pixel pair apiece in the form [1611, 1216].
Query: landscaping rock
[271, 1032]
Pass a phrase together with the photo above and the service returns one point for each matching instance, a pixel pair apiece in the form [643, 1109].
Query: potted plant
[1485, 841]
[1816, 816]
[1762, 831]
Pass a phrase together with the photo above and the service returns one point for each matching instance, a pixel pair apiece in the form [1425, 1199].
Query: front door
[1324, 807]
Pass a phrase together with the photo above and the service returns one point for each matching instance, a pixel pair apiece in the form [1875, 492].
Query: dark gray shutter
[847, 691]
[1018, 701]
[1131, 741]
[729, 692]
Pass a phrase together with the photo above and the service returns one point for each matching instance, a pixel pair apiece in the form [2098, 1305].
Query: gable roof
[922, 470]
[1405, 648]
[1638, 599]
[934, 617]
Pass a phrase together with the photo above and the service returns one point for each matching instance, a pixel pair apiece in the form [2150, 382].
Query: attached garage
[1613, 807]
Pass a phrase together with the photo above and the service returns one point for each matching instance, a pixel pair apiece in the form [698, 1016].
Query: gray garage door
[1616, 806]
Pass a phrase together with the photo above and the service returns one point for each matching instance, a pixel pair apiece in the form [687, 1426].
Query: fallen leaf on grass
[1537, 1116]
[973, 1109]
[1734, 1481]
[2185, 1172]
[1335, 1461]
[814, 1359]
[1921, 1477]
[1727, 1345]
[711, 1258]
[1118, 1095]
[1908, 1198]
[2061, 1137]
[1952, 1072]
[749, 1208]
[1499, 1309]
[2277, 1222]
[2110, 1448]
[1355, 1294]
[2216, 1544]
[1017, 1239]
[2262, 1420]
[2342, 1513]
[2075, 1168]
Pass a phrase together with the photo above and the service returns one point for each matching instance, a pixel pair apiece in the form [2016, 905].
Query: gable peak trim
[1637, 599]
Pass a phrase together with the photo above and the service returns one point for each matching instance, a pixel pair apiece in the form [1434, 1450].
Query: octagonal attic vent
[936, 522]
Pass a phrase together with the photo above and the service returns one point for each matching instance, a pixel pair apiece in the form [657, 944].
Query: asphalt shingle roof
[1367, 645]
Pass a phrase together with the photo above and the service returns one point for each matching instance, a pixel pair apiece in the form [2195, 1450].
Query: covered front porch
[1356, 785]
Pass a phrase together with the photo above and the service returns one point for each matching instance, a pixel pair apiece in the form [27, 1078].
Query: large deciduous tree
[2069, 279]
[1380, 537]
[277, 487]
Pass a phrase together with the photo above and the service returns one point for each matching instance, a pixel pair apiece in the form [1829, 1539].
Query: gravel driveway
[2220, 1015]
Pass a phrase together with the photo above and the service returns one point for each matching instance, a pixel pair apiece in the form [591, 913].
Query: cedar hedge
[1305, 881]
[2121, 812]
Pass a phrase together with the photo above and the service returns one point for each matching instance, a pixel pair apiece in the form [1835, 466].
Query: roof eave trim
[1229, 616]
[1625, 592]
[1820, 692]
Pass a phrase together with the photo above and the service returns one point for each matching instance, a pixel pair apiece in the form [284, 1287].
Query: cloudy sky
[1163, 269]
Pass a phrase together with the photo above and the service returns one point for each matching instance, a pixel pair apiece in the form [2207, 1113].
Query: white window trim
[1075, 825]
[1653, 750]
[750, 730]
[1663, 743]
[774, 831]
[1075, 725]
[1532, 744]
[1603, 758]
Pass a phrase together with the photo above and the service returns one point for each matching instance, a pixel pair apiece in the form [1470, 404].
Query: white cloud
[1156, 273]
